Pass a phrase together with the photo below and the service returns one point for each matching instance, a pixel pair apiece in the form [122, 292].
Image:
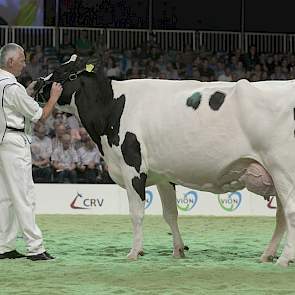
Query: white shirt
[41, 148]
[65, 157]
[18, 105]
[87, 156]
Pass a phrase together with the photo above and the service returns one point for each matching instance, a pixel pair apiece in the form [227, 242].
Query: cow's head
[80, 80]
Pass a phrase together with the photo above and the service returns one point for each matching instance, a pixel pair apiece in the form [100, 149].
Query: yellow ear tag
[89, 68]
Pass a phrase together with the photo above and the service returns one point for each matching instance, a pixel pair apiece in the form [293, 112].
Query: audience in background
[83, 45]
[88, 161]
[41, 149]
[58, 133]
[34, 68]
[64, 161]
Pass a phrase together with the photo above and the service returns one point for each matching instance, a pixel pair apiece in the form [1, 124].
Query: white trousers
[17, 195]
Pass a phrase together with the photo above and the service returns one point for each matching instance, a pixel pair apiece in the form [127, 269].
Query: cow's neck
[100, 114]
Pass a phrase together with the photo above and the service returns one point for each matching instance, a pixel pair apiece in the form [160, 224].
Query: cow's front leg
[135, 186]
[170, 214]
[271, 250]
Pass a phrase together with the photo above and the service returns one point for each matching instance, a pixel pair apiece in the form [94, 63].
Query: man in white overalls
[17, 199]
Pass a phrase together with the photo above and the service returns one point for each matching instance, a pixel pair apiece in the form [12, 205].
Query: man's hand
[55, 92]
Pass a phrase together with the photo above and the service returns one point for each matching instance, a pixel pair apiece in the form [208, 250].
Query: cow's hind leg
[284, 179]
[288, 253]
[259, 181]
[170, 213]
[271, 250]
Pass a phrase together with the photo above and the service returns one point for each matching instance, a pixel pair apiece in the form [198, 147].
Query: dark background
[260, 15]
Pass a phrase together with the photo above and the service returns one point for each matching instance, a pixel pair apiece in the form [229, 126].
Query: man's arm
[55, 93]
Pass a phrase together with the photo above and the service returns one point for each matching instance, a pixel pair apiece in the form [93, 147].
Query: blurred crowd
[62, 151]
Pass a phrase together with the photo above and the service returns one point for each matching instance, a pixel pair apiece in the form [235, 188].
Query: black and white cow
[211, 136]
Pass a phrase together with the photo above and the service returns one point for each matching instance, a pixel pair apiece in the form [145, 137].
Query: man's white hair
[8, 51]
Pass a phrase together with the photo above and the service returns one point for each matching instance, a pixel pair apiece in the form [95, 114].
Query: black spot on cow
[194, 100]
[216, 100]
[131, 151]
[112, 131]
[139, 185]
[173, 184]
[94, 100]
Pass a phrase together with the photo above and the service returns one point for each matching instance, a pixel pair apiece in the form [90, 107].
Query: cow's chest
[113, 159]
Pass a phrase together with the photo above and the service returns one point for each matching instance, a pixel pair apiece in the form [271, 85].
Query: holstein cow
[211, 136]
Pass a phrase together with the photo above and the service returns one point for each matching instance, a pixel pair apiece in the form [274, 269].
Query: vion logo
[230, 202]
[148, 199]
[188, 201]
[80, 202]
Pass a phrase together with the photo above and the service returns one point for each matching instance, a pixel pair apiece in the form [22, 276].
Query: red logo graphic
[269, 203]
[73, 206]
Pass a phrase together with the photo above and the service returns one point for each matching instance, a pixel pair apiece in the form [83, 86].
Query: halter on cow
[210, 136]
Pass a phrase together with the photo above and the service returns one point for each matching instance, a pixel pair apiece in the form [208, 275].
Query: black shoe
[11, 255]
[41, 256]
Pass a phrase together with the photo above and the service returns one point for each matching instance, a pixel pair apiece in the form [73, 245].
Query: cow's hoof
[283, 262]
[267, 258]
[133, 255]
[178, 253]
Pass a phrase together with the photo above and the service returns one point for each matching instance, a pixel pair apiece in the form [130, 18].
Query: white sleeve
[23, 103]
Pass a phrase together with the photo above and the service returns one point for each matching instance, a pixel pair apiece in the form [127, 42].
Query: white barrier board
[111, 199]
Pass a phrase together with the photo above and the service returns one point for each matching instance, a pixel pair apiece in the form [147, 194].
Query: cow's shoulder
[114, 120]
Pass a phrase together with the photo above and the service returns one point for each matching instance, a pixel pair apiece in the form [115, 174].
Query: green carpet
[91, 258]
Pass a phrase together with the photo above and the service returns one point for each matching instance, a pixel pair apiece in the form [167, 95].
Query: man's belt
[16, 129]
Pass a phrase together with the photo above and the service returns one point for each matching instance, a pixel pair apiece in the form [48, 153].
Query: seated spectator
[88, 161]
[278, 75]
[83, 45]
[239, 72]
[284, 67]
[34, 68]
[112, 70]
[219, 69]
[133, 73]
[59, 117]
[49, 124]
[171, 72]
[66, 49]
[227, 76]
[251, 58]
[83, 138]
[196, 75]
[188, 56]
[59, 132]
[41, 149]
[39, 53]
[125, 62]
[154, 54]
[206, 71]
[64, 160]
[74, 125]
[270, 64]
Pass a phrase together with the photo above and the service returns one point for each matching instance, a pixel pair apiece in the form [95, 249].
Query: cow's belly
[213, 177]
